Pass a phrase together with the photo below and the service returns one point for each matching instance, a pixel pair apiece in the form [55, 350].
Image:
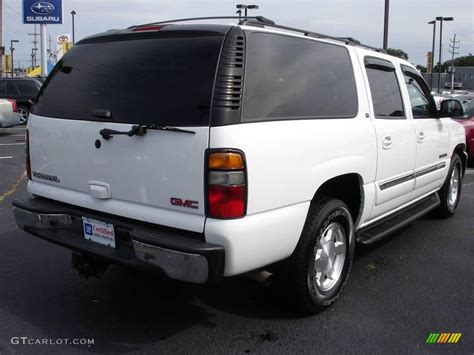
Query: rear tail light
[27, 151]
[13, 102]
[226, 184]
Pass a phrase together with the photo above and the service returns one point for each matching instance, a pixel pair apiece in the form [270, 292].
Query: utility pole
[50, 52]
[1, 38]
[35, 35]
[453, 52]
[44, 54]
[385, 25]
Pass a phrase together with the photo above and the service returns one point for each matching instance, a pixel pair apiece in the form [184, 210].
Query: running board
[400, 219]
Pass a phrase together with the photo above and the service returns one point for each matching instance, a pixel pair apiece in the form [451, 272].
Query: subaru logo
[42, 8]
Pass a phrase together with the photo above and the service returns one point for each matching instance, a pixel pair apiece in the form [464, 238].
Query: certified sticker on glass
[98, 231]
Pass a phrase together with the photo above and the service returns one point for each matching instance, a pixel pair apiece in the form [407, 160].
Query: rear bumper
[180, 254]
[9, 120]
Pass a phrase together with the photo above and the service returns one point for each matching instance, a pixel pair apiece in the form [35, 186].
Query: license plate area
[98, 231]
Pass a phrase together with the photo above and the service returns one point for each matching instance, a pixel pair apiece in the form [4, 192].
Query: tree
[465, 61]
[421, 68]
[397, 53]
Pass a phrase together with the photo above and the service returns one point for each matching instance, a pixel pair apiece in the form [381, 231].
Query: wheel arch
[461, 150]
[347, 188]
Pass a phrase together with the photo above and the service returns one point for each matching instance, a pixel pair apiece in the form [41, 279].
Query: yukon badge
[47, 177]
[184, 203]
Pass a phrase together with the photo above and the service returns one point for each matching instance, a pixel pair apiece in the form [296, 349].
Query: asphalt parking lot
[419, 281]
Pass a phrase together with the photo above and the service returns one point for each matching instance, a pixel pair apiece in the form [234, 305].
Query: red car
[467, 120]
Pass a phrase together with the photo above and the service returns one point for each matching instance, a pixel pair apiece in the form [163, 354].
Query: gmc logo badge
[184, 203]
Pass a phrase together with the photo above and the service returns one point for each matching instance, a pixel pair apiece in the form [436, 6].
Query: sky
[361, 19]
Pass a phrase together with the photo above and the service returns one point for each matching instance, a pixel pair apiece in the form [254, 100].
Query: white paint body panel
[287, 161]
[140, 174]
[8, 118]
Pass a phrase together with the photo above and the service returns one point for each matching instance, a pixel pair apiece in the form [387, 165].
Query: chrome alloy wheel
[453, 192]
[329, 256]
[23, 112]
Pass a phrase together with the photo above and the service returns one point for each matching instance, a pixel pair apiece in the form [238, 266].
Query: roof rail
[346, 40]
[240, 18]
[261, 21]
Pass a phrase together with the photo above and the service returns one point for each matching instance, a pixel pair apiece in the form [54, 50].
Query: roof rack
[240, 18]
[346, 40]
[261, 21]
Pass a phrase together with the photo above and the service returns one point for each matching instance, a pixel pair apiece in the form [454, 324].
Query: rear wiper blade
[168, 128]
[140, 130]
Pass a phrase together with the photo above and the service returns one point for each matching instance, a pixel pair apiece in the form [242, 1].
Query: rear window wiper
[140, 130]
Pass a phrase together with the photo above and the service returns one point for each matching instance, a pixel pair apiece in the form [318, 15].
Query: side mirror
[451, 108]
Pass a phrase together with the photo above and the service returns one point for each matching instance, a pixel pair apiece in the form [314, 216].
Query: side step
[390, 224]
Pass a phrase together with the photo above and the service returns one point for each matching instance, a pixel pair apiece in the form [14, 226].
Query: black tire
[305, 287]
[24, 113]
[448, 207]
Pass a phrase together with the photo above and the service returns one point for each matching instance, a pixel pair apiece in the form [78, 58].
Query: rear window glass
[292, 78]
[165, 81]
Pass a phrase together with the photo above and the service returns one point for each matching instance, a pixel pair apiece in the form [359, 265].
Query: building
[463, 79]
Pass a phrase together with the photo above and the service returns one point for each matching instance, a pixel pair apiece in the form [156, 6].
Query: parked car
[462, 110]
[209, 151]
[9, 116]
[23, 90]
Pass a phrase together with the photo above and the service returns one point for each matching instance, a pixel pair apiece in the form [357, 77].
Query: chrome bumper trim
[177, 265]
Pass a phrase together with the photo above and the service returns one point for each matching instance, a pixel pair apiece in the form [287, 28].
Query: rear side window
[27, 87]
[7, 87]
[293, 78]
[386, 96]
[165, 81]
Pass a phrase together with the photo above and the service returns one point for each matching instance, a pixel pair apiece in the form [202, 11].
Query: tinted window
[27, 87]
[386, 96]
[11, 88]
[290, 78]
[166, 81]
[3, 87]
[422, 104]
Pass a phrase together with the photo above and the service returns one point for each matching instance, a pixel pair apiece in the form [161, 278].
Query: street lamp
[73, 13]
[385, 25]
[12, 50]
[441, 19]
[432, 52]
[244, 7]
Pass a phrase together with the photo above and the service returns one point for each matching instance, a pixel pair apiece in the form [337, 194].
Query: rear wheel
[320, 265]
[24, 113]
[450, 192]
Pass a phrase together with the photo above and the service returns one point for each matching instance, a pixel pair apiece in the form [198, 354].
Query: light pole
[73, 13]
[432, 52]
[441, 19]
[12, 49]
[385, 25]
[244, 7]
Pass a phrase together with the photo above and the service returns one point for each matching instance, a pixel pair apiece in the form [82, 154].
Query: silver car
[9, 116]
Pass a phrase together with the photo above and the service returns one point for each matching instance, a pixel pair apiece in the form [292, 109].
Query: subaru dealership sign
[43, 12]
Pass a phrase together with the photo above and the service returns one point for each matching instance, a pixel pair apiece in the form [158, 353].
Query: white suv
[209, 151]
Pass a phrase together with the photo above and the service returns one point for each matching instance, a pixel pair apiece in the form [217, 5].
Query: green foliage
[421, 68]
[397, 53]
[465, 61]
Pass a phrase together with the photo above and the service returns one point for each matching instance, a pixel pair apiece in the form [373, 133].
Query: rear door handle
[387, 142]
[421, 137]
